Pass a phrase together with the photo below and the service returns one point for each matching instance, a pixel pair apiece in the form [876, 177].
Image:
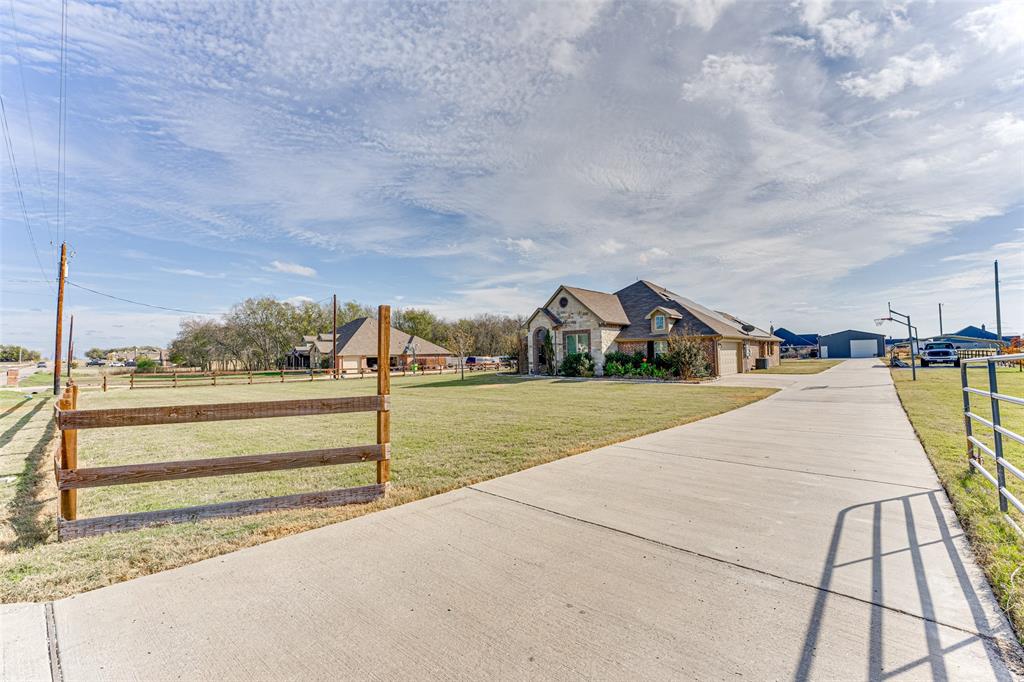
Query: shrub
[614, 369]
[686, 357]
[549, 355]
[577, 365]
[145, 364]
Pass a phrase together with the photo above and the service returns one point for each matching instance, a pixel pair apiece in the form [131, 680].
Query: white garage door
[863, 348]
[728, 357]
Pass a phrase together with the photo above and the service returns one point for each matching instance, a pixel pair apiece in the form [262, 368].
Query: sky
[797, 164]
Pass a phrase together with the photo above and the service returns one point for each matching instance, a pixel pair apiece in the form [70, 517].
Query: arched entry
[540, 356]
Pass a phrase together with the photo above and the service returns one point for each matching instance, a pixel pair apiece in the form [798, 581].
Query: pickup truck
[938, 352]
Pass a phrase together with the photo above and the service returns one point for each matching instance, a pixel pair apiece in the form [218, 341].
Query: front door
[540, 354]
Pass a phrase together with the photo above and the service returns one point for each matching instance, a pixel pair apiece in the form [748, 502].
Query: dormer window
[659, 322]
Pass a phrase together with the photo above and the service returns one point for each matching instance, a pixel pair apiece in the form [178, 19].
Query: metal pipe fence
[976, 449]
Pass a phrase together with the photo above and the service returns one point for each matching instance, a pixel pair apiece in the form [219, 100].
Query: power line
[148, 305]
[31, 130]
[17, 185]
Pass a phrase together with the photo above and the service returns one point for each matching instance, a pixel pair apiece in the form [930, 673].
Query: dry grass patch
[445, 434]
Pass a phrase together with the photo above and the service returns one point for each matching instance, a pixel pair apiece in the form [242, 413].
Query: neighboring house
[851, 344]
[356, 348]
[975, 337]
[641, 317]
[158, 355]
[795, 341]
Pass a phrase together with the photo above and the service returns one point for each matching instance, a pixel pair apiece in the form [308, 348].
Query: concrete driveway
[804, 536]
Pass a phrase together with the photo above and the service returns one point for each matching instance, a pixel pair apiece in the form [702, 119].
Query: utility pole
[940, 319]
[61, 274]
[334, 337]
[999, 315]
[71, 345]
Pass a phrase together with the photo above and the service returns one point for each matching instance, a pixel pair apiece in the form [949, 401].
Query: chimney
[982, 326]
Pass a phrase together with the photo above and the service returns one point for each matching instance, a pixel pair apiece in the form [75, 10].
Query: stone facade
[575, 317]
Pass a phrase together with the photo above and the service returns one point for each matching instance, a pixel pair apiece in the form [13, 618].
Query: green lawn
[810, 366]
[935, 408]
[445, 434]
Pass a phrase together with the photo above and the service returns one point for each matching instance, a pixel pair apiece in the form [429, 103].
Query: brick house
[641, 317]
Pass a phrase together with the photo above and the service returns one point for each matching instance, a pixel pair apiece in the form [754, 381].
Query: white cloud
[731, 77]
[848, 36]
[703, 14]
[611, 246]
[999, 26]
[921, 66]
[291, 268]
[903, 114]
[189, 272]
[1007, 129]
[1011, 82]
[521, 246]
[298, 300]
[654, 253]
[795, 42]
[565, 58]
[813, 12]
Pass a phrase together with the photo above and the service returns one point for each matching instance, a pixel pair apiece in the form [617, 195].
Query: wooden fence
[233, 378]
[70, 420]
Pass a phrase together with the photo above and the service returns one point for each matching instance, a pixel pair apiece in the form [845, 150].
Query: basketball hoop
[879, 321]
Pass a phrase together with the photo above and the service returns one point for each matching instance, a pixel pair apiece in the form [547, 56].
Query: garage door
[728, 357]
[863, 348]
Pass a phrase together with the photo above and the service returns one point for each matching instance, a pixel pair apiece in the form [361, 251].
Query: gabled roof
[791, 339]
[607, 307]
[639, 298]
[975, 333]
[668, 312]
[359, 337]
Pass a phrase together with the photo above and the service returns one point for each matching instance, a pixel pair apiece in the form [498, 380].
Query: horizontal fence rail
[976, 449]
[187, 414]
[70, 477]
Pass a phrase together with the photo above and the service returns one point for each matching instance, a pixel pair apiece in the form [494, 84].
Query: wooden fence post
[69, 457]
[384, 389]
[282, 376]
[250, 377]
[131, 381]
[175, 377]
[213, 375]
[104, 383]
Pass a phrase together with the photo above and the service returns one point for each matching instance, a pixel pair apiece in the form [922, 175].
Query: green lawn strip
[935, 407]
[446, 433]
[799, 367]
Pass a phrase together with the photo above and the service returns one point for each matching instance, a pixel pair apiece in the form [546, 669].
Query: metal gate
[976, 449]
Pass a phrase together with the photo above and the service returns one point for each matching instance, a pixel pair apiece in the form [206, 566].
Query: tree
[96, 354]
[419, 322]
[460, 340]
[145, 364]
[16, 353]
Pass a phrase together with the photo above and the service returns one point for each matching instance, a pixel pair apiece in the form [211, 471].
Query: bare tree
[460, 340]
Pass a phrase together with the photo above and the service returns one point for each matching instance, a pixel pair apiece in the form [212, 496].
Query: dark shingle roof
[359, 337]
[639, 298]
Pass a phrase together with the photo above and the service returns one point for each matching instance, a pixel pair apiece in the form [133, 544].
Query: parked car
[939, 352]
[117, 364]
[130, 363]
[41, 365]
[95, 362]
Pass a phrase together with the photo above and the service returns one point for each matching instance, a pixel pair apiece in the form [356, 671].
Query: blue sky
[796, 163]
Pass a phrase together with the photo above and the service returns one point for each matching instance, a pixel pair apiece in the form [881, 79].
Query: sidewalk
[802, 536]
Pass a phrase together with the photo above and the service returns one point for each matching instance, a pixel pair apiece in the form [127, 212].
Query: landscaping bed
[935, 406]
[446, 433]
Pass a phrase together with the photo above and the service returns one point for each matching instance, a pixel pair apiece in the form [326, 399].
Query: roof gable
[359, 337]
[606, 307]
